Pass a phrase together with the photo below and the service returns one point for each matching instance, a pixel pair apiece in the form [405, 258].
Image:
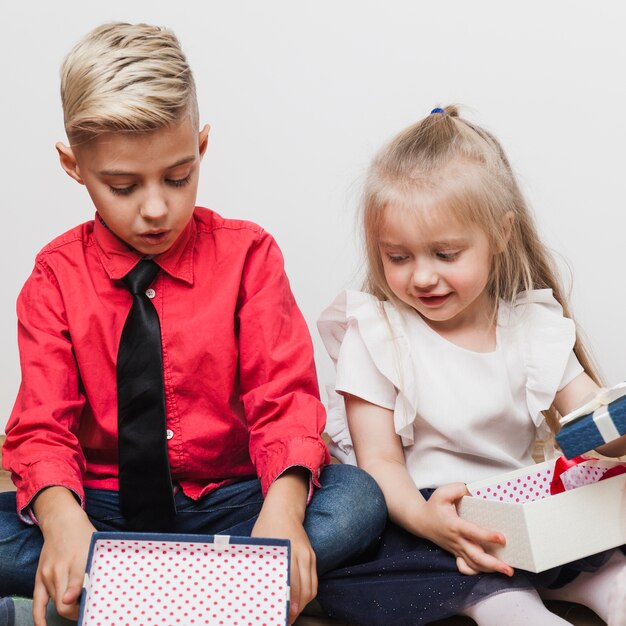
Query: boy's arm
[67, 533]
[41, 447]
[283, 411]
[278, 381]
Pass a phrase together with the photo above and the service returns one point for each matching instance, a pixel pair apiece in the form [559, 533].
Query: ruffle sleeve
[546, 343]
[381, 329]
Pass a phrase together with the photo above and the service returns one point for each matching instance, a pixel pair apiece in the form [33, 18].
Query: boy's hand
[67, 533]
[465, 540]
[281, 517]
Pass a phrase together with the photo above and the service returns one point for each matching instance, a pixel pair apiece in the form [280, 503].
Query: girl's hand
[67, 533]
[465, 540]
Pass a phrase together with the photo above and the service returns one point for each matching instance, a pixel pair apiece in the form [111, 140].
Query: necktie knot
[140, 277]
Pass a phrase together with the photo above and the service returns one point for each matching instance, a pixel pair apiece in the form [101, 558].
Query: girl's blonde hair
[446, 161]
[126, 77]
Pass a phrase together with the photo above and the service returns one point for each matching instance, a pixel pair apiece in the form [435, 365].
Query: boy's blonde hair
[446, 163]
[126, 77]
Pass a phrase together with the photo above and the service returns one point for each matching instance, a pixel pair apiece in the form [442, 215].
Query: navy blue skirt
[408, 580]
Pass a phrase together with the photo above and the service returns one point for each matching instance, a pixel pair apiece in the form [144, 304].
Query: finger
[477, 534]
[294, 595]
[308, 578]
[71, 595]
[476, 558]
[40, 602]
[313, 579]
[74, 589]
[68, 610]
[464, 568]
[450, 493]
[69, 606]
[57, 586]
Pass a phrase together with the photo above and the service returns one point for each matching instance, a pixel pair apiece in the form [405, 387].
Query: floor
[574, 614]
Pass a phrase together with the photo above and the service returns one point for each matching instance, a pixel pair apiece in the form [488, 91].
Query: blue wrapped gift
[597, 422]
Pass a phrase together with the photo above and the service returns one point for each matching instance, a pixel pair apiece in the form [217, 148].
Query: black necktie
[145, 489]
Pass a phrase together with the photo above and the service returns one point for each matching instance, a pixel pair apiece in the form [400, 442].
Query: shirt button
[169, 433]
[150, 293]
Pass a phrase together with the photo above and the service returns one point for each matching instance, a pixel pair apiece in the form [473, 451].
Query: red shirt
[240, 384]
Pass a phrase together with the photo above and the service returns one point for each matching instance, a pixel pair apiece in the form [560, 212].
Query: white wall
[300, 95]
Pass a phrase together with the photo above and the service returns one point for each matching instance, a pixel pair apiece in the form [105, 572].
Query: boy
[112, 431]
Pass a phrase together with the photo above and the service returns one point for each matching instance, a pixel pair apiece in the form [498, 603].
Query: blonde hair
[126, 77]
[445, 160]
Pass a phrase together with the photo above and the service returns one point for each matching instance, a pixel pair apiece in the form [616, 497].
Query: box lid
[138, 578]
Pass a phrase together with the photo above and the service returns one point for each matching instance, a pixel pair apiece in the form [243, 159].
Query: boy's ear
[69, 162]
[203, 139]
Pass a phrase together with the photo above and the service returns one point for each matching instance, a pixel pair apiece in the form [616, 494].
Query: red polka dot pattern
[145, 583]
[534, 484]
[529, 487]
[586, 473]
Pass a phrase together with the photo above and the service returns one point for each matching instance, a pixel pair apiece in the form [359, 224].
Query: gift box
[544, 528]
[599, 421]
[169, 580]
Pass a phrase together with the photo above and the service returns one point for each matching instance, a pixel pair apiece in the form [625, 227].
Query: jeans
[344, 518]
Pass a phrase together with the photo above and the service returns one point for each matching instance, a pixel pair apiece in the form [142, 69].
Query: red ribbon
[562, 465]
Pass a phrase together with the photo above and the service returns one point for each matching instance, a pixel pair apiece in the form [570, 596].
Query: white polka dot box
[137, 579]
[544, 530]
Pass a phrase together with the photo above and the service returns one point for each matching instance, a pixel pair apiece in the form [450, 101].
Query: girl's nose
[424, 276]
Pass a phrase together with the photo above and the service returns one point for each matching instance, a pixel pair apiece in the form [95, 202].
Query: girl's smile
[433, 300]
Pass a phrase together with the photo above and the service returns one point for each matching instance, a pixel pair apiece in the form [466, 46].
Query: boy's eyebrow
[182, 161]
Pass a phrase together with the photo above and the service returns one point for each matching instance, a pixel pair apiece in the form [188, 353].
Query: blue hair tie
[437, 110]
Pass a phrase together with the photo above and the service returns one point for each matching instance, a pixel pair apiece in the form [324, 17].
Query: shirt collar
[118, 258]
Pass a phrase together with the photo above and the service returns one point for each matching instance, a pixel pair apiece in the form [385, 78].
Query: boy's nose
[153, 206]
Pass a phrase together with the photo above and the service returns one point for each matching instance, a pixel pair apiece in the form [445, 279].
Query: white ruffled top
[461, 415]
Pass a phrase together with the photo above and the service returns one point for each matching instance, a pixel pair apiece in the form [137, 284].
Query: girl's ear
[69, 162]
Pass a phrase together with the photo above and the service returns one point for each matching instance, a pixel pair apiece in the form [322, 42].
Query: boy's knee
[358, 496]
[345, 517]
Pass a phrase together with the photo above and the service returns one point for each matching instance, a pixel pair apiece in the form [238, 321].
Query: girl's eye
[122, 191]
[447, 256]
[397, 258]
[178, 182]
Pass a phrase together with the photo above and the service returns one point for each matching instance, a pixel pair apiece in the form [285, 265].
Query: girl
[450, 366]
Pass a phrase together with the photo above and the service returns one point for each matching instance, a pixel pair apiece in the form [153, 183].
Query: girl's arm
[573, 395]
[379, 451]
